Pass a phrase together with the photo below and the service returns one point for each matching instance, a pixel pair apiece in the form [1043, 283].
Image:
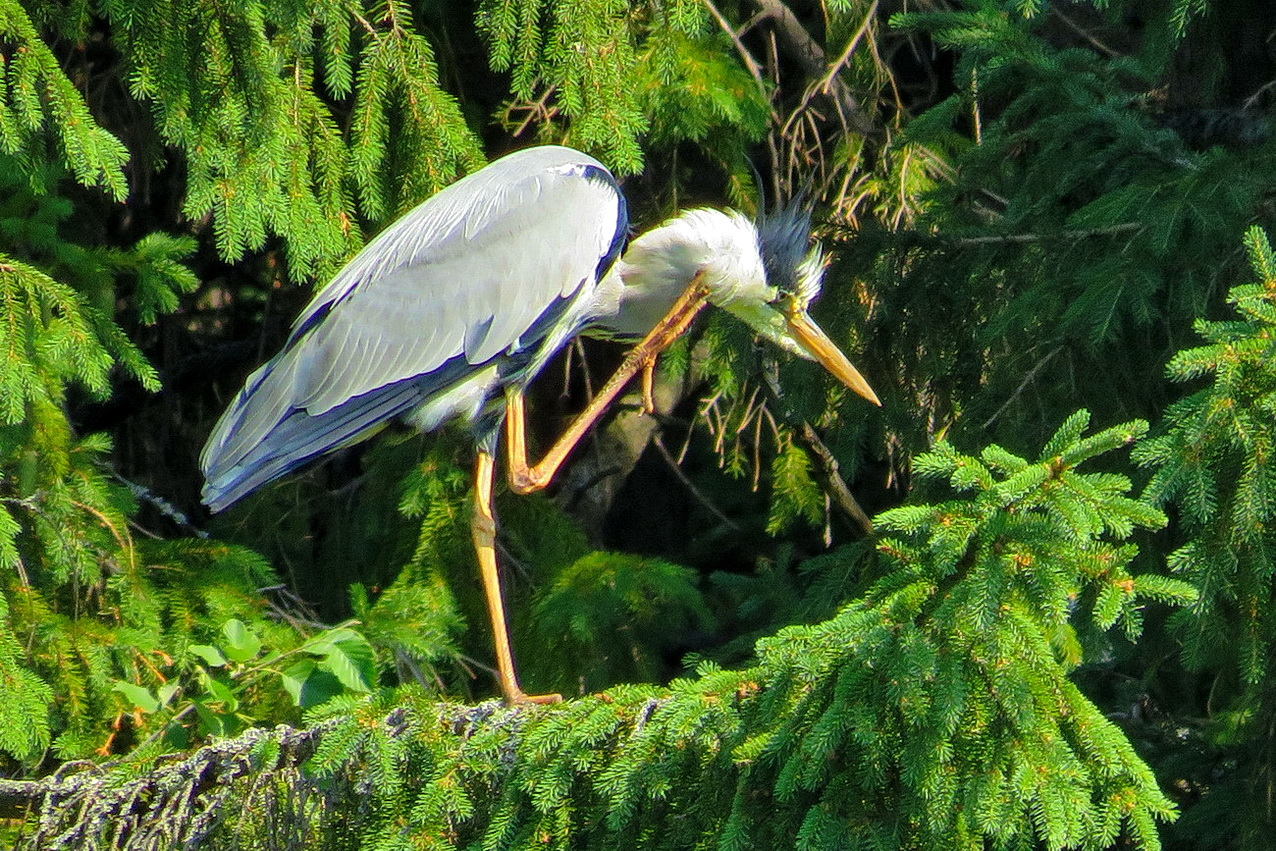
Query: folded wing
[476, 282]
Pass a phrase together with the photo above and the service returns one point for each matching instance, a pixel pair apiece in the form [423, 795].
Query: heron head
[765, 273]
[794, 275]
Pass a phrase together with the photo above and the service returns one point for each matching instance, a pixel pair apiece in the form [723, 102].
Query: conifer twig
[91, 793]
[826, 82]
[1084, 33]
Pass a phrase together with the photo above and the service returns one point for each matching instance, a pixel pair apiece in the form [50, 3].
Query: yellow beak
[824, 352]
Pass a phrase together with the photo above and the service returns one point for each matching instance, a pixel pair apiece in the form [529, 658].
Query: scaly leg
[525, 478]
[483, 530]
[649, 387]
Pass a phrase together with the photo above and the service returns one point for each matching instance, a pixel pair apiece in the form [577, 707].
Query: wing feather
[456, 283]
[485, 297]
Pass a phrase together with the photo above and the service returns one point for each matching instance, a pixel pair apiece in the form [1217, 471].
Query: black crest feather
[784, 240]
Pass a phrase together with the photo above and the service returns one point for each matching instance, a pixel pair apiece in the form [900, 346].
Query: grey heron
[451, 310]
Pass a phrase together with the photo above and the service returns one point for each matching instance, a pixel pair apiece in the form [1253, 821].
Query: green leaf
[219, 692]
[347, 655]
[209, 654]
[242, 644]
[308, 685]
[166, 691]
[142, 698]
[213, 723]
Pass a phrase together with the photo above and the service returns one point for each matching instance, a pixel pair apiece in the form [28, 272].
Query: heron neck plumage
[657, 266]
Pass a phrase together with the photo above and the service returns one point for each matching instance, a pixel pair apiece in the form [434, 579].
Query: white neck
[659, 265]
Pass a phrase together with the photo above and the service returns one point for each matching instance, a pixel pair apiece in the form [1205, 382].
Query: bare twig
[854, 41]
[755, 68]
[537, 111]
[1027, 379]
[1084, 33]
[835, 486]
[691, 486]
[814, 63]
[1022, 238]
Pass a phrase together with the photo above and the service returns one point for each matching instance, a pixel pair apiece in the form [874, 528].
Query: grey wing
[469, 275]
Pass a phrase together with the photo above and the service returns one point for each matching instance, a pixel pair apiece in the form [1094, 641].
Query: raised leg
[525, 478]
[483, 530]
[649, 387]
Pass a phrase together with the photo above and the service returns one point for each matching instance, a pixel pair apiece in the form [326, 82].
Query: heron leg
[649, 387]
[525, 478]
[483, 530]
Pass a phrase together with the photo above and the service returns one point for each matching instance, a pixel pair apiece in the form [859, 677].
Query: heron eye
[786, 303]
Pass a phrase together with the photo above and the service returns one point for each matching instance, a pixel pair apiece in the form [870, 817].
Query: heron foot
[516, 697]
[527, 481]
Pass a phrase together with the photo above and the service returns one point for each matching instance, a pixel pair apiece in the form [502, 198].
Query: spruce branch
[1027, 238]
[175, 800]
[941, 697]
[1212, 461]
